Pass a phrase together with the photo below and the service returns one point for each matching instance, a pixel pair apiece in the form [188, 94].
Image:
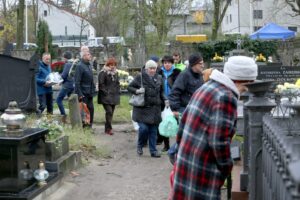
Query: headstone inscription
[276, 73]
[279, 74]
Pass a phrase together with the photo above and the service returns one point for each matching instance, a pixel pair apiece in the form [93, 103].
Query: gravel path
[125, 176]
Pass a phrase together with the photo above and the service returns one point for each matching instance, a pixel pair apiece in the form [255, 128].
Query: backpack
[73, 68]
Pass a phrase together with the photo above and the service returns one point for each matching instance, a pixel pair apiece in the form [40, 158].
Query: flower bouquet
[260, 58]
[217, 58]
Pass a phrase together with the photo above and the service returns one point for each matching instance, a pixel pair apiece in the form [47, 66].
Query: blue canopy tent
[272, 31]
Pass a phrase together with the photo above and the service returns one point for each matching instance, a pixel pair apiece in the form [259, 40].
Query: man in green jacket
[178, 62]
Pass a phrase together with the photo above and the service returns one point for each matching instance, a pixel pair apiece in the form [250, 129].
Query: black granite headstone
[19, 157]
[271, 72]
[279, 74]
[17, 82]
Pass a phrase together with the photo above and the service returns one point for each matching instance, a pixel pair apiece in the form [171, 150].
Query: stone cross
[238, 42]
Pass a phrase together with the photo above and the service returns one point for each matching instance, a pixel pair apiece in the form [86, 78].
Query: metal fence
[272, 144]
[278, 147]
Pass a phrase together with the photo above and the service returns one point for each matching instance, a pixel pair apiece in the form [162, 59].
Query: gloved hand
[167, 103]
[140, 91]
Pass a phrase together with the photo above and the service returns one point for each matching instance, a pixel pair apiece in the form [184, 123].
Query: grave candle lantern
[13, 119]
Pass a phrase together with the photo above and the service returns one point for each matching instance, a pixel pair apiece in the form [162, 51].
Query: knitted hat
[154, 58]
[150, 63]
[195, 59]
[240, 68]
[68, 55]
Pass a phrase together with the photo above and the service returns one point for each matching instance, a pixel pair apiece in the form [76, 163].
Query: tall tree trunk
[140, 34]
[218, 15]
[35, 15]
[20, 24]
[46, 43]
[5, 39]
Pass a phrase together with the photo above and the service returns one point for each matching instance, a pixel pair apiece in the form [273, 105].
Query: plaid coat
[207, 126]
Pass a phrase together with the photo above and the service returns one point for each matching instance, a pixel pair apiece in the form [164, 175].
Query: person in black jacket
[67, 87]
[148, 116]
[186, 84]
[84, 83]
[169, 74]
[109, 91]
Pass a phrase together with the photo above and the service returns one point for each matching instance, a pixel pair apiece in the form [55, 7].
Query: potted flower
[56, 144]
[217, 58]
[260, 58]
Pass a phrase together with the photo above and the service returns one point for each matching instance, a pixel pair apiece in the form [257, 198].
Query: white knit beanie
[150, 63]
[240, 68]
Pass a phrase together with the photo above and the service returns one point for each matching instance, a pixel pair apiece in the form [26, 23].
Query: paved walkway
[125, 176]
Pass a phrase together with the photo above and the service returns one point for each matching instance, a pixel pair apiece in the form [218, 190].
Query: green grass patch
[84, 140]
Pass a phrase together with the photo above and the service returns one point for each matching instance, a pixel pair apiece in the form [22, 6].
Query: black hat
[195, 59]
[68, 55]
[168, 59]
[154, 58]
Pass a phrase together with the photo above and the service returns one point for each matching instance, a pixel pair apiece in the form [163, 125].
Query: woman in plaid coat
[207, 126]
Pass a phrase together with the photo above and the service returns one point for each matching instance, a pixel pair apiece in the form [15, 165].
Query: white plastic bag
[54, 78]
[166, 112]
[134, 123]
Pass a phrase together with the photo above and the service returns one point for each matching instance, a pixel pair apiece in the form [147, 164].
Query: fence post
[244, 173]
[258, 105]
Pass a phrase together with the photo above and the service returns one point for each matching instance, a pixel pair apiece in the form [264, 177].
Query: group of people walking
[206, 102]
[166, 84]
[78, 78]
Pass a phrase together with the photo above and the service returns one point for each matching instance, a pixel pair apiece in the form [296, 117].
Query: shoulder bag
[138, 100]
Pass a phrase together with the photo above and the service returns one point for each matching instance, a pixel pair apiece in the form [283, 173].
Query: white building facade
[247, 16]
[65, 25]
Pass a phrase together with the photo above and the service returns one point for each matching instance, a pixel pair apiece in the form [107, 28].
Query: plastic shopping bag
[134, 123]
[168, 127]
[166, 112]
[85, 113]
[54, 78]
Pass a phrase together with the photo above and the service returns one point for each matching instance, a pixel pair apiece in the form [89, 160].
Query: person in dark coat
[84, 83]
[67, 87]
[109, 91]
[186, 84]
[148, 116]
[205, 132]
[169, 74]
[44, 87]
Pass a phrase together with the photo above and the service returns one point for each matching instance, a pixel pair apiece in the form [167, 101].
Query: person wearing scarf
[109, 91]
[169, 74]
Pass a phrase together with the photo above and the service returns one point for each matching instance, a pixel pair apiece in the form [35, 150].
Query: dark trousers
[89, 103]
[45, 100]
[164, 139]
[109, 112]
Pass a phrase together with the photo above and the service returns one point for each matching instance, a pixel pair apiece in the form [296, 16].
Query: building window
[256, 28]
[257, 14]
[66, 30]
[45, 13]
[230, 18]
[292, 28]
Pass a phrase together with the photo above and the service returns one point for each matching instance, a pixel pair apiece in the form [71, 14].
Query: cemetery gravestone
[17, 80]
